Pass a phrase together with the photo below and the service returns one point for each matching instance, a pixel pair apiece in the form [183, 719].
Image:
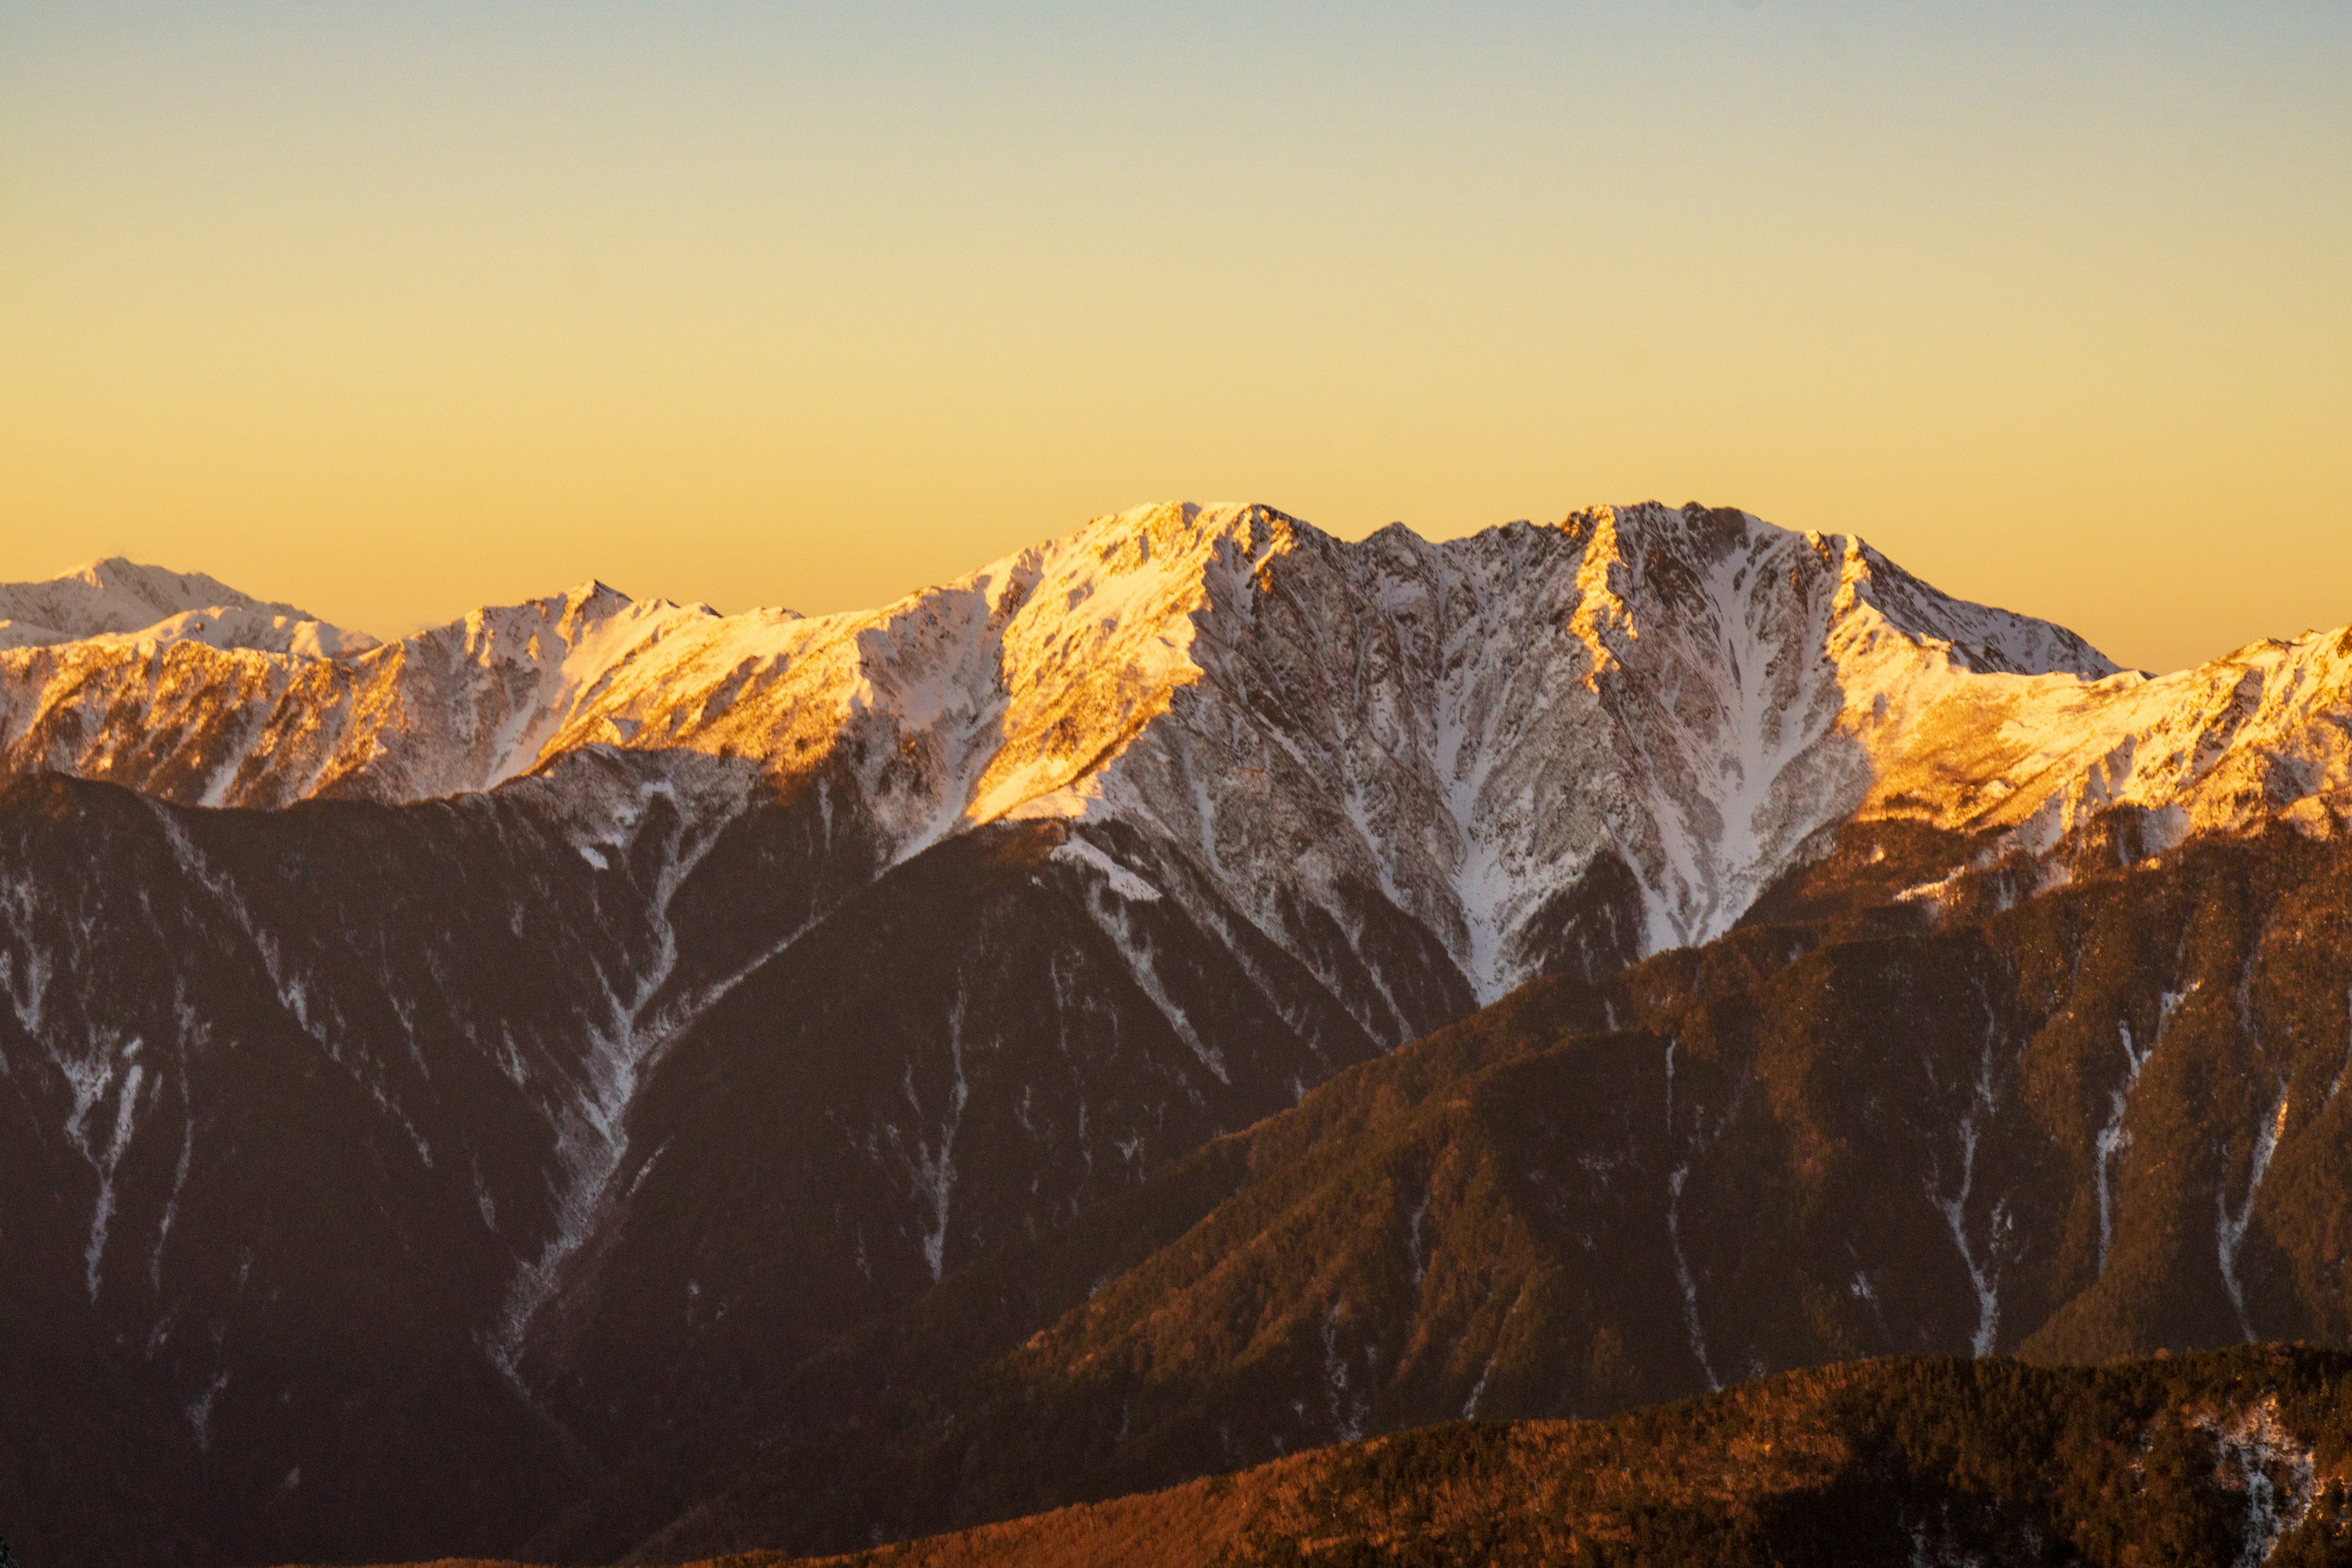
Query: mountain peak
[1168, 527]
[114, 596]
[1468, 725]
[596, 591]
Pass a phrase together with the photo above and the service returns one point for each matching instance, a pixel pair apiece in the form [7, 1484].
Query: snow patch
[109, 1067]
[1984, 1272]
[2276, 1470]
[1697, 1331]
[2113, 1138]
[591, 1132]
[2229, 1229]
[1349, 1408]
[199, 1412]
[1077, 851]
[934, 1164]
[1136, 948]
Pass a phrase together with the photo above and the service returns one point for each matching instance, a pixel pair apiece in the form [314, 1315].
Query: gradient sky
[389, 310]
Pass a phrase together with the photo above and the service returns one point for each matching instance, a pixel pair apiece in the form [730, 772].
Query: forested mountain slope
[2100, 1122]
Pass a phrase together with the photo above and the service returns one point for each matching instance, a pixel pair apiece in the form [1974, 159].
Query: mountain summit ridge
[1693, 692]
[119, 599]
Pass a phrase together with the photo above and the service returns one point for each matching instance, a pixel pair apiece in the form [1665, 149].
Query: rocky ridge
[696, 988]
[1463, 731]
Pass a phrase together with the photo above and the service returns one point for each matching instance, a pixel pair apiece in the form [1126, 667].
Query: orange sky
[390, 311]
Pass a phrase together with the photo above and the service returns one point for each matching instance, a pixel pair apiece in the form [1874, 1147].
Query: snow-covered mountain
[2260, 735]
[686, 990]
[120, 602]
[1464, 729]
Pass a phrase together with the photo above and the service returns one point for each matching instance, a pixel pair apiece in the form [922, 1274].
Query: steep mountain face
[292, 1100]
[450, 1081]
[1478, 736]
[422, 1079]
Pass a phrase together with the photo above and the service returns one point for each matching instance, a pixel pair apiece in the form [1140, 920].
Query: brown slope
[979, 1312]
[2241, 1455]
[1859, 1136]
[2231, 1457]
[333, 1081]
[956, 1063]
[271, 1341]
[289, 1099]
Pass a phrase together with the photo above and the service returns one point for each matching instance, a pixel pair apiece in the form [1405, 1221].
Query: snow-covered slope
[119, 599]
[2260, 735]
[1516, 742]
[1476, 728]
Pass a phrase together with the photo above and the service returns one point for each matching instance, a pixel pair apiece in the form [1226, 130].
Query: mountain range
[603, 1076]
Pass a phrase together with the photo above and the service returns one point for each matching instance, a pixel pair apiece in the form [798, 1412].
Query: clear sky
[389, 310]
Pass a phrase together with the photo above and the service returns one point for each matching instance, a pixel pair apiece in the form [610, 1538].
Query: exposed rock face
[601, 1006]
[1465, 733]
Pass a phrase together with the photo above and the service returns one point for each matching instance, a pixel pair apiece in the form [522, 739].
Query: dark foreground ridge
[2227, 1457]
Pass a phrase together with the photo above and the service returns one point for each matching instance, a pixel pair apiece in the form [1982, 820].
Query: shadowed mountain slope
[2101, 1123]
